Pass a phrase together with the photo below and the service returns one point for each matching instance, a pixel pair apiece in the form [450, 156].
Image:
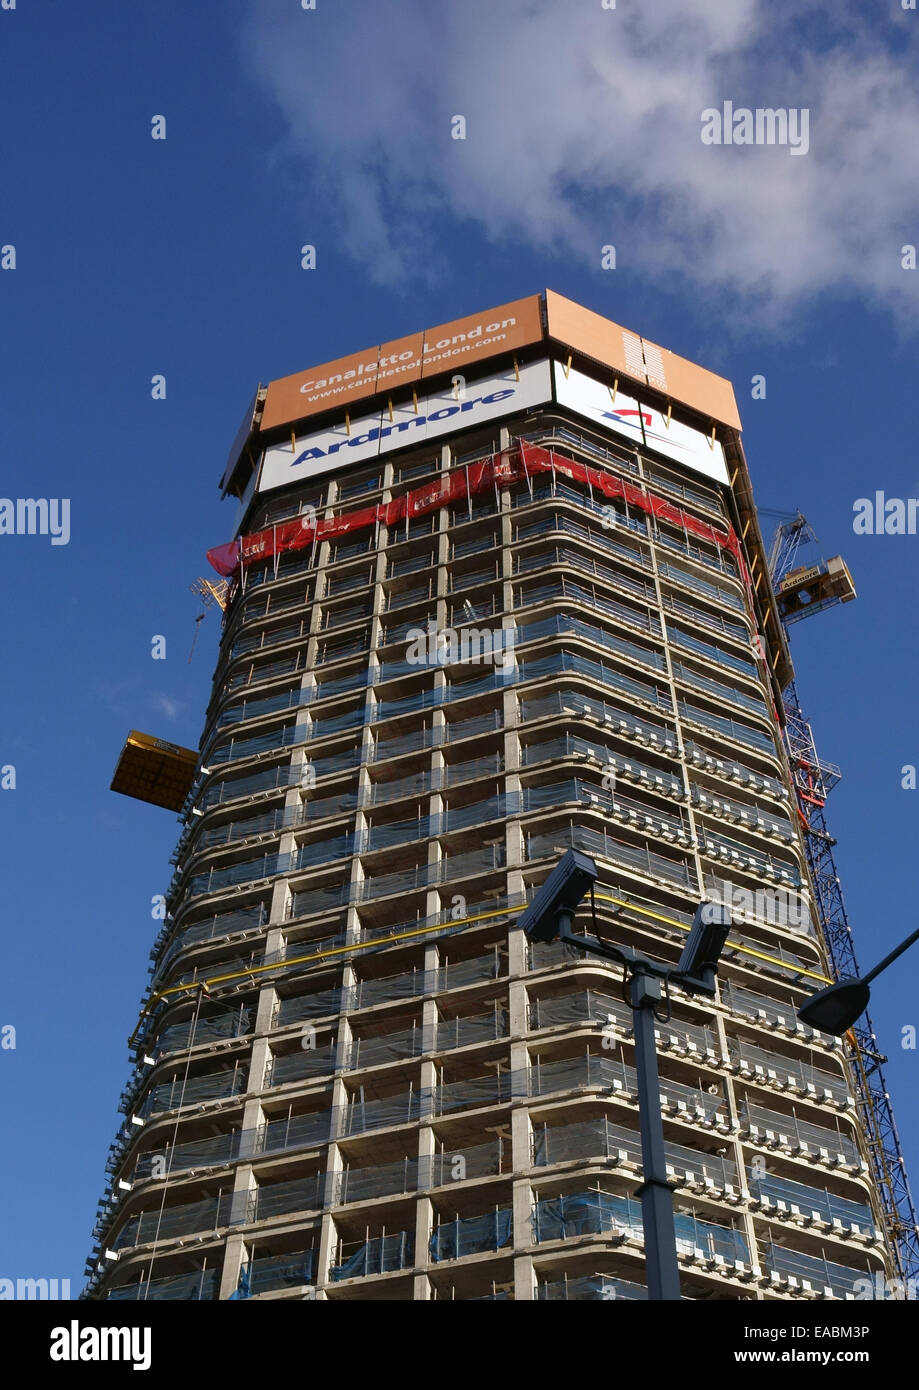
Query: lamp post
[550, 916]
[835, 1009]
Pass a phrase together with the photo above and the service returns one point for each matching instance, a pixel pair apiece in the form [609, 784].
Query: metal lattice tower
[813, 781]
[786, 543]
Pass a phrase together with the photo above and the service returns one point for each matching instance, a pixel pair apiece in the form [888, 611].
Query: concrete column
[235, 1255]
[424, 1225]
[328, 1244]
[253, 1117]
[523, 1223]
[335, 1167]
[280, 901]
[261, 1053]
[521, 1140]
[267, 1002]
[243, 1184]
[524, 1279]
[518, 1022]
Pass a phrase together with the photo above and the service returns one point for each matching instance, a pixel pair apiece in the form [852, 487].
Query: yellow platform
[150, 769]
[813, 587]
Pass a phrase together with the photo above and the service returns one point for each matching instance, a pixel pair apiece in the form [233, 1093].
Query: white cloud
[172, 709]
[584, 127]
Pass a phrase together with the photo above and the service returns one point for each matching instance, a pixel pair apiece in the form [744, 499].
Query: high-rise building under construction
[498, 589]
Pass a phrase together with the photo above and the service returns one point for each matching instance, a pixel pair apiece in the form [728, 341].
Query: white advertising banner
[687, 446]
[318, 453]
[454, 407]
[643, 426]
[596, 402]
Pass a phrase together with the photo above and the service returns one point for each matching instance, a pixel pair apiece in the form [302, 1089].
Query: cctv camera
[704, 945]
[573, 876]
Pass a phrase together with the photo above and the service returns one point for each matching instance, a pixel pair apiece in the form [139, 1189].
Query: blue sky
[136, 257]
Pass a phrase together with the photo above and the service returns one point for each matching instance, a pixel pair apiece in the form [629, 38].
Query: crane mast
[801, 591]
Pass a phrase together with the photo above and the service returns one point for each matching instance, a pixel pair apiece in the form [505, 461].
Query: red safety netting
[517, 464]
[514, 465]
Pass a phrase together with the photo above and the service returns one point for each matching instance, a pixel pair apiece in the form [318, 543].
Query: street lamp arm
[888, 960]
[622, 955]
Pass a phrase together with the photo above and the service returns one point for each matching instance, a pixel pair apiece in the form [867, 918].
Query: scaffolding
[813, 780]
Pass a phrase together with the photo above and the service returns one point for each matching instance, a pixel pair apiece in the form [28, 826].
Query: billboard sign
[627, 354]
[684, 445]
[599, 403]
[380, 432]
[455, 346]
[639, 424]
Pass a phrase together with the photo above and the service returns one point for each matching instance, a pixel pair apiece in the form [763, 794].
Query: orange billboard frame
[404, 361]
[463, 343]
[638, 359]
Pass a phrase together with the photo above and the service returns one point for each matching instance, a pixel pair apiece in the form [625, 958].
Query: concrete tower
[498, 589]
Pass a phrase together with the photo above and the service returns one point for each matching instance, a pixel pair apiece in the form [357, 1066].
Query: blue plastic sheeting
[199, 1153]
[275, 1272]
[811, 1199]
[278, 1199]
[592, 1286]
[692, 1234]
[298, 1131]
[378, 1256]
[155, 1224]
[592, 1213]
[842, 1279]
[285, 737]
[584, 1213]
[472, 1235]
[230, 1024]
[607, 675]
[183, 1287]
[234, 787]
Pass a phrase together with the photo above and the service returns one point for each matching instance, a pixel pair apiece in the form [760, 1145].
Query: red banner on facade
[516, 464]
